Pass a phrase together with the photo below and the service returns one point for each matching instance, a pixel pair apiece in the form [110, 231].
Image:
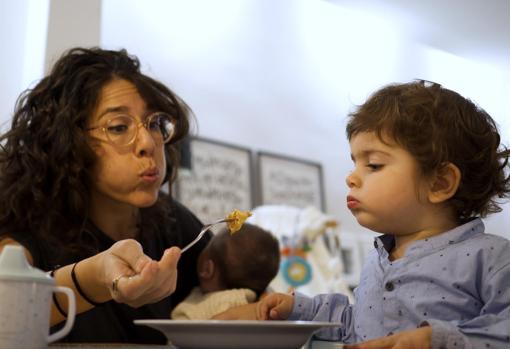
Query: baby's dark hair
[249, 258]
[439, 126]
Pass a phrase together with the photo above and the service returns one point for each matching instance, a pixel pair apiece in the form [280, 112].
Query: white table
[316, 344]
[108, 346]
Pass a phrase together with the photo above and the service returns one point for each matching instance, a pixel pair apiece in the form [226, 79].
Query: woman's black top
[113, 322]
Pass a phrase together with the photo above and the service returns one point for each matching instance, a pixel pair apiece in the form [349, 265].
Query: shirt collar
[386, 242]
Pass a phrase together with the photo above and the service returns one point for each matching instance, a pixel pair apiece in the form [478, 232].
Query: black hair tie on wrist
[79, 289]
[55, 300]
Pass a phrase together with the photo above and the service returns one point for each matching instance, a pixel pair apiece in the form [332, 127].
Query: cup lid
[14, 266]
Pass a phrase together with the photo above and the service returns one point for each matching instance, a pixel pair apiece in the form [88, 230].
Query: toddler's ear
[445, 183]
[206, 269]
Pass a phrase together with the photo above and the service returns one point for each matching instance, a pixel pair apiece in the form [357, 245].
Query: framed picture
[289, 181]
[366, 246]
[220, 179]
[351, 258]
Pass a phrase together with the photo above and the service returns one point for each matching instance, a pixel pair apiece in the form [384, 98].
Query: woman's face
[128, 174]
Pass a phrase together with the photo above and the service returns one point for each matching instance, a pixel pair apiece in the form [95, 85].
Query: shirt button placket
[390, 307]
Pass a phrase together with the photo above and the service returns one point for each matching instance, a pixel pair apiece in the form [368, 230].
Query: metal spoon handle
[202, 233]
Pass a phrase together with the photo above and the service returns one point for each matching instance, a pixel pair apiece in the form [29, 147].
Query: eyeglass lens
[123, 129]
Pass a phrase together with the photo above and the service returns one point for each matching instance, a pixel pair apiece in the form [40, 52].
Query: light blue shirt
[458, 282]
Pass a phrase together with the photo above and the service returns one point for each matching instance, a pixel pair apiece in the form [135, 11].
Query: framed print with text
[289, 181]
[220, 179]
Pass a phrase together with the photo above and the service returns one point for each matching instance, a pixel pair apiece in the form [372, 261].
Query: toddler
[428, 165]
[233, 270]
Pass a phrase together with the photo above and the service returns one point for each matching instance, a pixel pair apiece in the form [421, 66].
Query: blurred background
[278, 75]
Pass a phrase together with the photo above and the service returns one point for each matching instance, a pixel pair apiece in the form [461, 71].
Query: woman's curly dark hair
[45, 159]
[439, 126]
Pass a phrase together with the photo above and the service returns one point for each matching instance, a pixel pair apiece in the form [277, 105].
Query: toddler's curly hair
[439, 126]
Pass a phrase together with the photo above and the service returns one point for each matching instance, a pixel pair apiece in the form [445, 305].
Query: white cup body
[25, 314]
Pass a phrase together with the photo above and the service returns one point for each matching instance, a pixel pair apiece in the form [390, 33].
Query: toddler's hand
[412, 339]
[275, 306]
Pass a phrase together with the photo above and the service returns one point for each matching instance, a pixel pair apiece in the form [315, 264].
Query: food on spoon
[235, 220]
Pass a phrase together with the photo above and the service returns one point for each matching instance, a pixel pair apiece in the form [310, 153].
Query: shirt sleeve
[490, 329]
[326, 307]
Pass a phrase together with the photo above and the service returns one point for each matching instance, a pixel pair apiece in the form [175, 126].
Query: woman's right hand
[139, 279]
[275, 306]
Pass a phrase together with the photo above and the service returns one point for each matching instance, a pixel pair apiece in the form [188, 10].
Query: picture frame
[220, 179]
[366, 246]
[351, 258]
[285, 180]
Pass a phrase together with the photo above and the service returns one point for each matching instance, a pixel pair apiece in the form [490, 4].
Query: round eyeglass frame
[138, 124]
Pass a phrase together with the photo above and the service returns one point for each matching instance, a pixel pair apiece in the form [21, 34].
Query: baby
[233, 270]
[428, 164]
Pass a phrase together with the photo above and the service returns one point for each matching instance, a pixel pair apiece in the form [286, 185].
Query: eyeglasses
[123, 129]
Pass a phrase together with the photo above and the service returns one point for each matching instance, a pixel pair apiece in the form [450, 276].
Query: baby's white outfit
[203, 306]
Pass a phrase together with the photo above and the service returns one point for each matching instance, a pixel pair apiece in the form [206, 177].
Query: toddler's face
[387, 194]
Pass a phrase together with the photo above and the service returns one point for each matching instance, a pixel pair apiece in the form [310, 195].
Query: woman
[80, 176]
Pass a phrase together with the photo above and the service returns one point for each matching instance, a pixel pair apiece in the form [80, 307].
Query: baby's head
[438, 127]
[249, 258]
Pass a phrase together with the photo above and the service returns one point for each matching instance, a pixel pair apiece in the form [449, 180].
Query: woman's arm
[140, 280]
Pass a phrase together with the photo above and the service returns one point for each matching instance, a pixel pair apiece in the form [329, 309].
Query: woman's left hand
[413, 339]
[134, 278]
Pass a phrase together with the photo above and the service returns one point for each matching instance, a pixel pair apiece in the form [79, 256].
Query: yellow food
[235, 220]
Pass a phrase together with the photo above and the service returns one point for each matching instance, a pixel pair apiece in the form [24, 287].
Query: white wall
[23, 25]
[282, 75]
[71, 23]
[33, 34]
